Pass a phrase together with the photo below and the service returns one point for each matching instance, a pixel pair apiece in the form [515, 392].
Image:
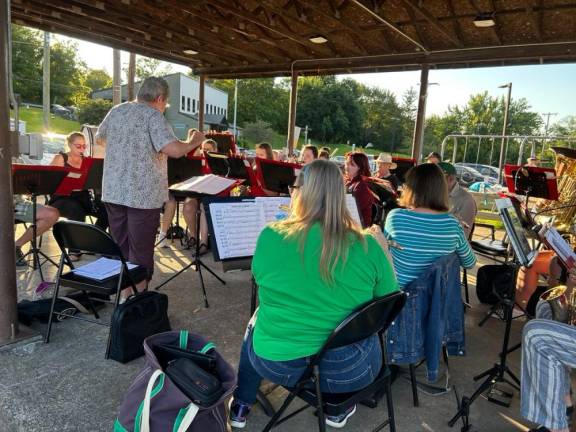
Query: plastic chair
[89, 238]
[372, 318]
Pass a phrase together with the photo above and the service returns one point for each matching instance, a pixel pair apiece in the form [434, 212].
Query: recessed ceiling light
[190, 52]
[318, 39]
[484, 20]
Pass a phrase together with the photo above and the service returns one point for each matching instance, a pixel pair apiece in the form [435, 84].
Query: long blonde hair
[321, 198]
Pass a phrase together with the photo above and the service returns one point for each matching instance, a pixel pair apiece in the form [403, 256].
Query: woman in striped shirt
[424, 231]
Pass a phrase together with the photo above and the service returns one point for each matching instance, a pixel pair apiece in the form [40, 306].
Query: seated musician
[188, 209]
[385, 163]
[326, 272]
[462, 204]
[425, 230]
[548, 354]
[324, 154]
[264, 151]
[356, 168]
[309, 154]
[46, 217]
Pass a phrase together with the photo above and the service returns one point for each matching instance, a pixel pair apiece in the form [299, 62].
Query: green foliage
[93, 111]
[97, 79]
[34, 121]
[147, 67]
[67, 73]
[258, 131]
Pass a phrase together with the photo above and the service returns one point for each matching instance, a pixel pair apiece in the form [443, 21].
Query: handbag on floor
[172, 395]
[140, 316]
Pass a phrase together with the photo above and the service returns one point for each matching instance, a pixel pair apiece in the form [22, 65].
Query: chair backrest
[86, 238]
[371, 318]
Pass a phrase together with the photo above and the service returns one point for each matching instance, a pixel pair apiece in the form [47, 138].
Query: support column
[417, 141]
[292, 113]
[46, 83]
[8, 288]
[116, 78]
[131, 76]
[201, 102]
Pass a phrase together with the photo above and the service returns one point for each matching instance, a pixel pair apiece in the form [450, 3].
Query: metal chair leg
[414, 385]
[279, 413]
[390, 404]
[321, 418]
[50, 317]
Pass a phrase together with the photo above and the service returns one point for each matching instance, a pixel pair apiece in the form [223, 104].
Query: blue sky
[548, 88]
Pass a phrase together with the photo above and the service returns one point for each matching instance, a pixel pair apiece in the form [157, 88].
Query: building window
[193, 105]
[206, 108]
[183, 102]
[188, 105]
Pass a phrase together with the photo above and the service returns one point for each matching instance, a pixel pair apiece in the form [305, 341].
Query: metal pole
[504, 126]
[491, 152]
[8, 288]
[465, 149]
[545, 140]
[292, 112]
[202, 82]
[131, 76]
[235, 109]
[116, 79]
[478, 152]
[46, 83]
[420, 115]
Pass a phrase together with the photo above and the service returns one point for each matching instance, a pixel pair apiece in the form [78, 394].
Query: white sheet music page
[209, 184]
[353, 208]
[275, 208]
[561, 247]
[101, 269]
[237, 226]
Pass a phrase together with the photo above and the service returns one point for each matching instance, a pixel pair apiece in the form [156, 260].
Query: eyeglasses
[79, 145]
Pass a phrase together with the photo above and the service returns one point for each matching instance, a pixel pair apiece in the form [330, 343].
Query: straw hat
[387, 159]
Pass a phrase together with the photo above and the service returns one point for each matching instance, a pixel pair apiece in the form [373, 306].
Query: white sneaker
[162, 241]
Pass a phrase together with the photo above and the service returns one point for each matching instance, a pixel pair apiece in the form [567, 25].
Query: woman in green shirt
[313, 269]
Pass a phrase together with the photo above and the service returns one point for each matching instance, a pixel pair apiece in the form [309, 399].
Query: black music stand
[34, 182]
[94, 177]
[197, 261]
[277, 177]
[532, 182]
[179, 170]
[228, 166]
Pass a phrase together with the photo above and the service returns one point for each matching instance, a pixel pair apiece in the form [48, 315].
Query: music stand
[523, 256]
[36, 180]
[229, 166]
[179, 170]
[95, 174]
[533, 182]
[277, 176]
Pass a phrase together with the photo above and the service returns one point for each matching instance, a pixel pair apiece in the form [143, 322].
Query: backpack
[39, 310]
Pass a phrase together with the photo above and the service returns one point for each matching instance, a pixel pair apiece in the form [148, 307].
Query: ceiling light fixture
[484, 20]
[318, 39]
[190, 52]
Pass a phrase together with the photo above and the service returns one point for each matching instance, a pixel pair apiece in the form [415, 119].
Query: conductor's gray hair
[152, 88]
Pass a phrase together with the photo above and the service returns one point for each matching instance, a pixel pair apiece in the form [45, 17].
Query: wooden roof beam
[536, 17]
[455, 23]
[433, 22]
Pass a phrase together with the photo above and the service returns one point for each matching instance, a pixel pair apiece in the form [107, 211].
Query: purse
[199, 386]
[140, 316]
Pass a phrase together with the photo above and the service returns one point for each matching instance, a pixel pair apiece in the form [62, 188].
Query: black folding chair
[372, 318]
[89, 238]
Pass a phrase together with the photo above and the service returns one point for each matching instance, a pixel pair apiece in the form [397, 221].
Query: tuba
[562, 305]
[566, 174]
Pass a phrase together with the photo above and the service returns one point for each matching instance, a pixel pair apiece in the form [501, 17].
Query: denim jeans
[344, 369]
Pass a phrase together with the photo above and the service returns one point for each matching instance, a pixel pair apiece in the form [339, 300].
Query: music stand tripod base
[499, 396]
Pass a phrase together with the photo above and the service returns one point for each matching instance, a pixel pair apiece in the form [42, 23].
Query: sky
[548, 88]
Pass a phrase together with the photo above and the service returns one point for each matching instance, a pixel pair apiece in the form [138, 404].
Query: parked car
[467, 175]
[489, 172]
[60, 111]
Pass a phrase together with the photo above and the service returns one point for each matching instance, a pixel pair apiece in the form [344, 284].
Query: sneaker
[339, 421]
[162, 241]
[20, 260]
[238, 413]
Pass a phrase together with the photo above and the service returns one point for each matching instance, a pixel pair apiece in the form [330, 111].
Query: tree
[27, 63]
[258, 131]
[382, 119]
[147, 67]
[93, 111]
[97, 79]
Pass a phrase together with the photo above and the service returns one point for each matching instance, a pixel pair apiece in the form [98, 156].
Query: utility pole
[116, 81]
[46, 83]
[504, 126]
[131, 76]
[547, 115]
[235, 109]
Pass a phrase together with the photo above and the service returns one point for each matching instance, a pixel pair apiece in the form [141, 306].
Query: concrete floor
[68, 386]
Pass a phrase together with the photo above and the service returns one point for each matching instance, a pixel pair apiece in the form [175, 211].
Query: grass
[279, 142]
[34, 123]
[498, 224]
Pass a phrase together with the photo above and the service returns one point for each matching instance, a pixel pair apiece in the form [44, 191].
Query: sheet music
[237, 226]
[209, 184]
[101, 269]
[275, 208]
[353, 208]
[561, 247]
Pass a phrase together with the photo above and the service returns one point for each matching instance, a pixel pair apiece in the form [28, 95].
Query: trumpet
[562, 304]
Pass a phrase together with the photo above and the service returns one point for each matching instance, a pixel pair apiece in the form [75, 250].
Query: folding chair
[89, 238]
[372, 318]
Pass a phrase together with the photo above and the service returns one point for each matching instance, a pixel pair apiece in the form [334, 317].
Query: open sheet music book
[564, 251]
[236, 225]
[101, 269]
[209, 184]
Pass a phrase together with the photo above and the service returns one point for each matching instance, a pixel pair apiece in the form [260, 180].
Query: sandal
[203, 249]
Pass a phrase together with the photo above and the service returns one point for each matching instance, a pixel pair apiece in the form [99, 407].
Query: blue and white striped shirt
[424, 237]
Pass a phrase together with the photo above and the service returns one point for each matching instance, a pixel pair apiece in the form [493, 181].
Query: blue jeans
[344, 369]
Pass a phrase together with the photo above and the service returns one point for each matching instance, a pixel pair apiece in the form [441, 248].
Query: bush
[258, 131]
[93, 111]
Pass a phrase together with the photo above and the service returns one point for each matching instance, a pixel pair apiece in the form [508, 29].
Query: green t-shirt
[298, 310]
